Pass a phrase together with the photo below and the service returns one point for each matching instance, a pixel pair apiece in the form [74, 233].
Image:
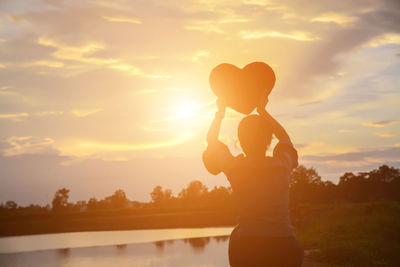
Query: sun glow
[187, 108]
[181, 109]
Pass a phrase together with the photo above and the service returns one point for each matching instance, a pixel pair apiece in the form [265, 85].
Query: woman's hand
[213, 132]
[221, 108]
[262, 104]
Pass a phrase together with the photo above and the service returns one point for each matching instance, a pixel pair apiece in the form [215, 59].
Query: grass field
[357, 234]
[364, 234]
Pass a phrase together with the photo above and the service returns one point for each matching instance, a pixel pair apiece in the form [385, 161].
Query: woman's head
[255, 135]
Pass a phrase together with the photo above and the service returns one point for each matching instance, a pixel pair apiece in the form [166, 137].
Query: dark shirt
[260, 187]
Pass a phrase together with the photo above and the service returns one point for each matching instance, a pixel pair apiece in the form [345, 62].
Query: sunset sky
[97, 95]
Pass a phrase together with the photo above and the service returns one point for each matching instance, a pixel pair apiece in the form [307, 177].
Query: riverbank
[22, 224]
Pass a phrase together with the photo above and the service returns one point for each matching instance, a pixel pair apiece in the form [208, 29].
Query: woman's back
[261, 192]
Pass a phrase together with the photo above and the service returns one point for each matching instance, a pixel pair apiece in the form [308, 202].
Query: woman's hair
[255, 134]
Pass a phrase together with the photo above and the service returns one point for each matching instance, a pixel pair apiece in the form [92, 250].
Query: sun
[183, 110]
[187, 108]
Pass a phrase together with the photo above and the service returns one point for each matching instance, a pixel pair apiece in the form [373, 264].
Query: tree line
[306, 186]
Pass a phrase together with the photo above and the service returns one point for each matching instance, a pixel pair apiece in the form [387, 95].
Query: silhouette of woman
[264, 235]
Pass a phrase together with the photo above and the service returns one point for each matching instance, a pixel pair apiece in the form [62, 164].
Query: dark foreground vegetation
[353, 223]
[350, 234]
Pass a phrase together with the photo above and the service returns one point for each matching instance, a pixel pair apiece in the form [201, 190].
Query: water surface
[171, 247]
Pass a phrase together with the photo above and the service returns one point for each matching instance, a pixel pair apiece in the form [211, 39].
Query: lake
[165, 247]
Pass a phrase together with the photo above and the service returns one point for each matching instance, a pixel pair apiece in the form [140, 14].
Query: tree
[194, 193]
[379, 184]
[118, 199]
[305, 185]
[355, 188]
[92, 203]
[304, 176]
[220, 196]
[11, 205]
[81, 205]
[160, 197]
[60, 200]
[384, 174]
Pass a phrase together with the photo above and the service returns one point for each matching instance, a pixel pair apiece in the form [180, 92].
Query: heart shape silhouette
[242, 89]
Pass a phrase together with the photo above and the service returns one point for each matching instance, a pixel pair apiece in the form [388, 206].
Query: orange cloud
[345, 131]
[380, 124]
[200, 54]
[121, 19]
[81, 148]
[6, 93]
[13, 115]
[84, 112]
[27, 145]
[298, 36]
[48, 113]
[205, 26]
[338, 18]
[385, 134]
[45, 63]
[132, 70]
[76, 53]
[384, 39]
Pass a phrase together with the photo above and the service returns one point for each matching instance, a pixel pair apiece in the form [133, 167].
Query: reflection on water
[198, 244]
[204, 251]
[64, 251]
[160, 244]
[121, 247]
[105, 238]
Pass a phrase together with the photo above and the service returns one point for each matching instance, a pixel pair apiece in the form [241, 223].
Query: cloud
[48, 113]
[15, 18]
[312, 148]
[216, 25]
[84, 112]
[345, 131]
[380, 124]
[135, 71]
[385, 134]
[298, 35]
[18, 145]
[338, 18]
[204, 26]
[384, 154]
[200, 54]
[384, 39]
[157, 76]
[76, 53]
[14, 115]
[45, 63]
[7, 93]
[232, 20]
[86, 148]
[122, 19]
[132, 70]
[310, 103]
[257, 2]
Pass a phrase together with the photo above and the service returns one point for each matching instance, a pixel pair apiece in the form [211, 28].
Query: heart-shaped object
[242, 89]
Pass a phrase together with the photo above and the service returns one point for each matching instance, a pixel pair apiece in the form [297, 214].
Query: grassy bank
[124, 219]
[364, 234]
[358, 234]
